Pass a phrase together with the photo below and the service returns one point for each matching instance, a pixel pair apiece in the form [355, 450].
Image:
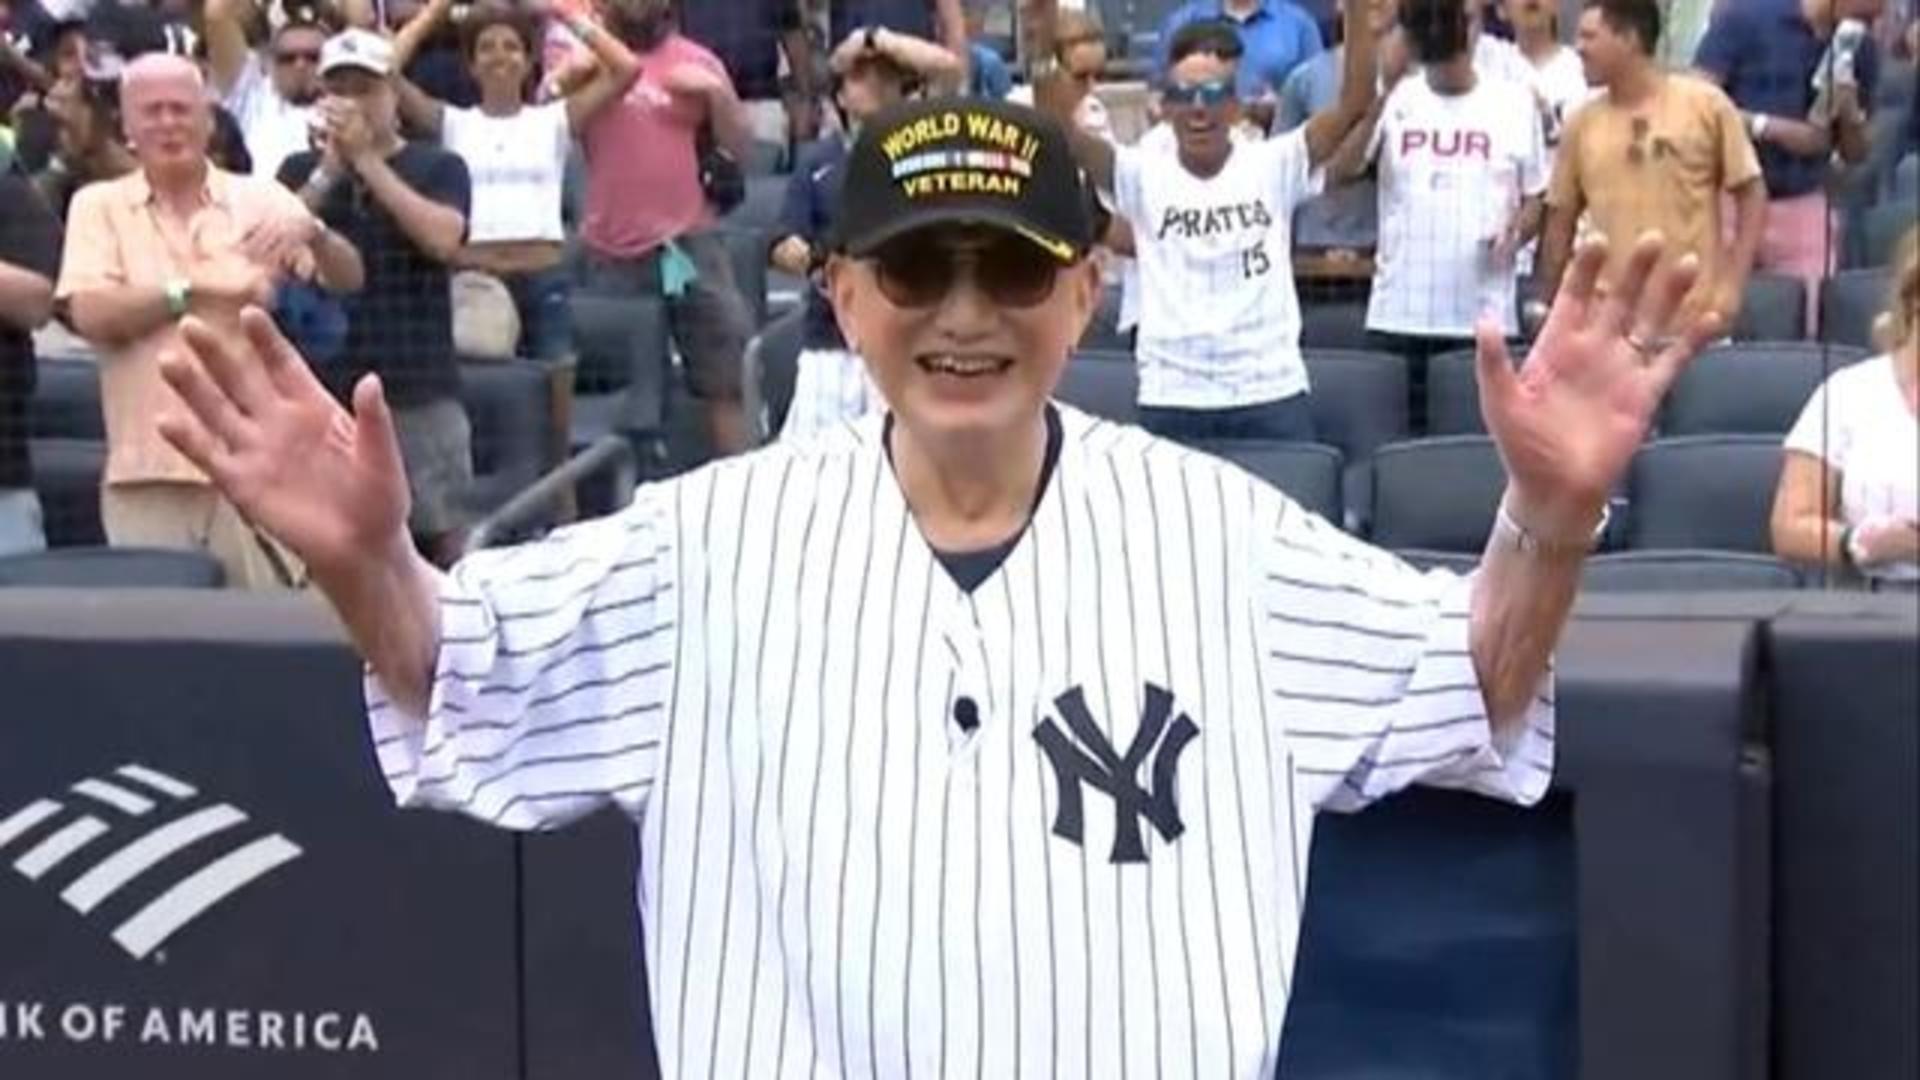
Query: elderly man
[179, 236]
[964, 733]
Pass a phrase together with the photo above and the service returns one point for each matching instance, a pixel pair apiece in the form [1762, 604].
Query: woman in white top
[516, 152]
[1848, 488]
[1558, 81]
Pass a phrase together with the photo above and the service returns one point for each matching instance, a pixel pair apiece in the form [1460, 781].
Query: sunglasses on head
[919, 270]
[1205, 95]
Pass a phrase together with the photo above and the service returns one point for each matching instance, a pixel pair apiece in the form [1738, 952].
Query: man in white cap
[404, 205]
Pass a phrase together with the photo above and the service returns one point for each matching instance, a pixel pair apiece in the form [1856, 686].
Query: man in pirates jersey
[981, 736]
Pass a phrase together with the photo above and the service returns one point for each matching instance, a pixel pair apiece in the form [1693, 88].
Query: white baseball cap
[356, 48]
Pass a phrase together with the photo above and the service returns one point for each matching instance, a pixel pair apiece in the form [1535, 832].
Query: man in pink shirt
[179, 235]
[647, 217]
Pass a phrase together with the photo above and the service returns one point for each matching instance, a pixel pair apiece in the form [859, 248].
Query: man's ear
[1088, 285]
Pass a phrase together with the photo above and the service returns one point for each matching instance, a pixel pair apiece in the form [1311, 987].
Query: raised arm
[228, 53]
[1359, 71]
[617, 67]
[421, 110]
[934, 63]
[950, 28]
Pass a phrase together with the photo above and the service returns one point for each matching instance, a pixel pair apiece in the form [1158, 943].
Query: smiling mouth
[964, 367]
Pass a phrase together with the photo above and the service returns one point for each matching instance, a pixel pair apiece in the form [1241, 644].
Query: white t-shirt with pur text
[1453, 170]
[1219, 320]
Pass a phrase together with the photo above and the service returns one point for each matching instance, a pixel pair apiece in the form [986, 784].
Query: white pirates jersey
[1056, 826]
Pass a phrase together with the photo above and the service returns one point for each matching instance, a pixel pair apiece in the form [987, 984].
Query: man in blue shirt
[1276, 36]
[1766, 54]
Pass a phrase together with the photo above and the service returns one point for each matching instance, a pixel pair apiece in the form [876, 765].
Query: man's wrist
[1564, 527]
[1757, 124]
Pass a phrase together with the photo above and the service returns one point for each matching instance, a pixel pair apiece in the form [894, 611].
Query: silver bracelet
[1528, 542]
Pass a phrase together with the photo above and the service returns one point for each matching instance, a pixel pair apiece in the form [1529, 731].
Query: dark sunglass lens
[1016, 273]
[912, 274]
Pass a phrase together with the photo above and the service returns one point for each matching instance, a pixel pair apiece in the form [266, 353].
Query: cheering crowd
[355, 167]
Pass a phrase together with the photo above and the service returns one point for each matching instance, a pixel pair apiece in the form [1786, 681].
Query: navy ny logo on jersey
[1087, 758]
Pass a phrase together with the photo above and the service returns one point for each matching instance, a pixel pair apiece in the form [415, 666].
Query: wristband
[179, 292]
[1757, 125]
[1528, 542]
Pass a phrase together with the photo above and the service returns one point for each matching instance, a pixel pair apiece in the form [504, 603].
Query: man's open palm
[327, 483]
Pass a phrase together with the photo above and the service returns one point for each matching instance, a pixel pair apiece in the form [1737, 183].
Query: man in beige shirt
[179, 235]
[1654, 153]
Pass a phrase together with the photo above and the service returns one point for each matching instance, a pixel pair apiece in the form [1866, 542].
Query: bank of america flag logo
[169, 818]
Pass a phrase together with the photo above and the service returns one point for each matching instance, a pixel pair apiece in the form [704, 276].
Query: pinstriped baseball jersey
[830, 387]
[1098, 871]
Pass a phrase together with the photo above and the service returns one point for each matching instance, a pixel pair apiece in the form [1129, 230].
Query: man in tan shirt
[1654, 154]
[179, 235]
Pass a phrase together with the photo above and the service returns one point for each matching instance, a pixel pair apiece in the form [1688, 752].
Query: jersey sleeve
[1739, 161]
[550, 693]
[1366, 668]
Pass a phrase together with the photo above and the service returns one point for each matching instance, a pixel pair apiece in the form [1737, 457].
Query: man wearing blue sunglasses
[1219, 332]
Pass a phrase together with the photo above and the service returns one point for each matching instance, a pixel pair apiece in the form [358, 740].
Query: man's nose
[966, 313]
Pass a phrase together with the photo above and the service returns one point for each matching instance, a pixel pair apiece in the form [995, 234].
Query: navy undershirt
[969, 569]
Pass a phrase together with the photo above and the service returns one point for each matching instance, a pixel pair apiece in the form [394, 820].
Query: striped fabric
[1098, 870]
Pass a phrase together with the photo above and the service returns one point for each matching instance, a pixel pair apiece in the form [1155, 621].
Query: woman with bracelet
[516, 152]
[1847, 494]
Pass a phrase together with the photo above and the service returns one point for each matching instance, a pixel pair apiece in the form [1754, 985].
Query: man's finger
[1659, 301]
[1620, 309]
[1580, 285]
[375, 437]
[237, 374]
[209, 403]
[1680, 351]
[286, 369]
[1498, 383]
[187, 435]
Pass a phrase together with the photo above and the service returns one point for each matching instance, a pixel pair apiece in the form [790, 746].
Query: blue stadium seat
[1773, 308]
[1438, 494]
[510, 406]
[1309, 473]
[1453, 394]
[1686, 571]
[66, 475]
[1711, 492]
[1106, 384]
[66, 399]
[112, 568]
[1333, 324]
[1886, 225]
[1359, 402]
[1758, 387]
[747, 250]
[1850, 301]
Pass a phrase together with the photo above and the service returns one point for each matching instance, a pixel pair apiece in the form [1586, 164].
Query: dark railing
[611, 453]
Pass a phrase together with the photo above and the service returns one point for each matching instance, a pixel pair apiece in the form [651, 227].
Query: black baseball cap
[952, 160]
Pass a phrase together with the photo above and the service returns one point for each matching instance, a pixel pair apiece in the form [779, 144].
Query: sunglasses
[918, 271]
[1204, 95]
[297, 56]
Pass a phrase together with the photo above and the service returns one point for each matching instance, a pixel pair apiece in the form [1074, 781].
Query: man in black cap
[982, 736]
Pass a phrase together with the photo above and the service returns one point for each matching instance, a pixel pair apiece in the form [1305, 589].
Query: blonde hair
[1073, 27]
[1898, 325]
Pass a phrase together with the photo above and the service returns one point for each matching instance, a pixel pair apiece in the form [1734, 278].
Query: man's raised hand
[327, 483]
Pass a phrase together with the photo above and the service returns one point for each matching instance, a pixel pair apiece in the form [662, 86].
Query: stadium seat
[761, 208]
[510, 406]
[1359, 401]
[1686, 571]
[1850, 301]
[1333, 324]
[1773, 308]
[1308, 472]
[772, 365]
[1711, 492]
[623, 353]
[66, 475]
[1453, 395]
[1757, 387]
[1106, 384]
[1438, 493]
[1886, 225]
[66, 399]
[116, 568]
